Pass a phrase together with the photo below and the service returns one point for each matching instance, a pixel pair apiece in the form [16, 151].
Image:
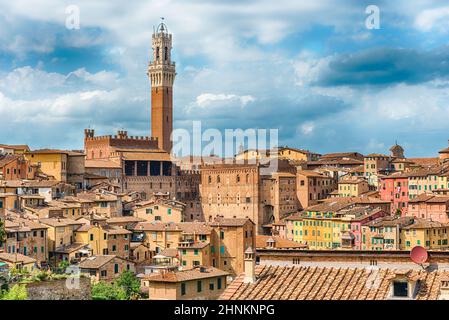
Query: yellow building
[281, 153]
[61, 238]
[165, 211]
[431, 235]
[352, 187]
[193, 284]
[194, 254]
[18, 261]
[322, 231]
[105, 240]
[53, 163]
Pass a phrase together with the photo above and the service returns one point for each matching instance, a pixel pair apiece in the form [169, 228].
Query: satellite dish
[419, 255]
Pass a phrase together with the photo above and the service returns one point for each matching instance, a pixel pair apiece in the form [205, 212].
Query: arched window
[157, 53]
[238, 178]
[247, 178]
[166, 53]
[209, 179]
[218, 179]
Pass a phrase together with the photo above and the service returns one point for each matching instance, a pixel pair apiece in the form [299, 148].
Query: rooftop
[326, 283]
[187, 275]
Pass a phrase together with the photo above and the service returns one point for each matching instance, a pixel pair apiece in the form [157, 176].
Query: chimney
[250, 266]
[271, 243]
[444, 288]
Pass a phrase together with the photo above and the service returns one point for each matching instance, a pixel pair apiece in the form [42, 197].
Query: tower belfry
[161, 72]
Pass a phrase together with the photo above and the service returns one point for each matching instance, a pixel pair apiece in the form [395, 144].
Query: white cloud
[433, 19]
[307, 128]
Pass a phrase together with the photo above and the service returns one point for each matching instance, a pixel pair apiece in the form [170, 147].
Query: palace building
[145, 162]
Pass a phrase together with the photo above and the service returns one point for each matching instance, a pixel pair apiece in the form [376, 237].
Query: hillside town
[317, 226]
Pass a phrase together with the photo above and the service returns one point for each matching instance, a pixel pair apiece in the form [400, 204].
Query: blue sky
[313, 70]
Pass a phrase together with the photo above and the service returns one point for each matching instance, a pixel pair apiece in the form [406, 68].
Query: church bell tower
[161, 72]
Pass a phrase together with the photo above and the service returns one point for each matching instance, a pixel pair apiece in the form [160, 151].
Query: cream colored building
[194, 284]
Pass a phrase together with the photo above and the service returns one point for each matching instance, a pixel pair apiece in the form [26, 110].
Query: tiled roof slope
[325, 283]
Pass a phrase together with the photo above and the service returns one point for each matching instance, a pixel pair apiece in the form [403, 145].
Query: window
[222, 249]
[219, 283]
[104, 273]
[221, 234]
[199, 286]
[169, 210]
[195, 252]
[183, 289]
[91, 237]
[211, 286]
[116, 268]
[149, 211]
[400, 289]
[114, 248]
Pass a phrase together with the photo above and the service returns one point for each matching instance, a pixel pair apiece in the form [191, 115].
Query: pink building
[394, 188]
[435, 208]
[359, 221]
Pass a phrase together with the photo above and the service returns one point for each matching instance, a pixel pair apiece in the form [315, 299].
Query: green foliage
[398, 212]
[2, 232]
[63, 265]
[108, 291]
[17, 292]
[129, 282]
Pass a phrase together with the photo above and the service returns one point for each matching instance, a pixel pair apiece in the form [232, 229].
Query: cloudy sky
[312, 69]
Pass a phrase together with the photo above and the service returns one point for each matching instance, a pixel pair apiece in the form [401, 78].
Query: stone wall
[59, 290]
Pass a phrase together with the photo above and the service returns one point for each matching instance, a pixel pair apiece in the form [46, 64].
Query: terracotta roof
[15, 146]
[4, 160]
[425, 224]
[71, 247]
[59, 222]
[280, 243]
[390, 221]
[309, 173]
[230, 222]
[341, 155]
[102, 164]
[169, 252]
[95, 262]
[187, 275]
[377, 155]
[124, 219]
[429, 198]
[318, 283]
[115, 230]
[152, 155]
[16, 258]
[184, 227]
[424, 161]
[16, 224]
[30, 183]
[195, 245]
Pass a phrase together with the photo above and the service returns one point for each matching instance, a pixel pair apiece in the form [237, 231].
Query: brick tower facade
[161, 72]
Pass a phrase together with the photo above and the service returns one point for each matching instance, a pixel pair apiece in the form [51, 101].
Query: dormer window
[400, 289]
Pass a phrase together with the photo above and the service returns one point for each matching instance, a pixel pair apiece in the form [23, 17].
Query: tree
[108, 291]
[63, 265]
[17, 292]
[2, 233]
[129, 282]
[398, 212]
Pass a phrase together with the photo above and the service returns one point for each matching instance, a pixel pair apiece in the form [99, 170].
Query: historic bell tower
[161, 71]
